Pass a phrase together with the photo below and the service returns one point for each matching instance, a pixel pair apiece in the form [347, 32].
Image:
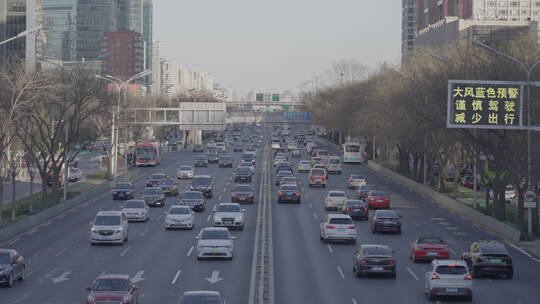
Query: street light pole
[22, 34]
[528, 73]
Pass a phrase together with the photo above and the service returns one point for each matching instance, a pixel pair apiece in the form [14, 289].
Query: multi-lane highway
[298, 267]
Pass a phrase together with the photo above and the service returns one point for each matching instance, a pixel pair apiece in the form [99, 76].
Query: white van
[334, 164]
[109, 227]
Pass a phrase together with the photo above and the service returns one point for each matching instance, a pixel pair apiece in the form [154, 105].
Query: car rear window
[152, 192]
[376, 194]
[242, 188]
[179, 210]
[317, 172]
[110, 285]
[336, 194]
[192, 195]
[335, 161]
[185, 168]
[107, 220]
[377, 251]
[288, 188]
[386, 214]
[430, 240]
[229, 208]
[215, 235]
[355, 203]
[340, 221]
[451, 269]
[357, 177]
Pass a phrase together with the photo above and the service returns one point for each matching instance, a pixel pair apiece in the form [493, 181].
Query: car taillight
[468, 276]
[363, 261]
[348, 209]
[391, 262]
[297, 193]
[365, 209]
[281, 193]
[351, 227]
[330, 227]
[327, 200]
[435, 276]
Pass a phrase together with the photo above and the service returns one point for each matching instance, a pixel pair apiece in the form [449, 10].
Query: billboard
[485, 104]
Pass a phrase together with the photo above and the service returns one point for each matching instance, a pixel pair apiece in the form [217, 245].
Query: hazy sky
[275, 44]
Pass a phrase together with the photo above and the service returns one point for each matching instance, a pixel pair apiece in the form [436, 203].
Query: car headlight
[4, 271]
[229, 246]
[94, 230]
[217, 219]
[118, 230]
[91, 298]
[126, 298]
[238, 218]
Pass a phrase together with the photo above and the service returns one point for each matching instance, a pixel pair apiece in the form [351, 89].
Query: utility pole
[66, 161]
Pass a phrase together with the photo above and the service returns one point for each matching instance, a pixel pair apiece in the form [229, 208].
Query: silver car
[184, 172]
[215, 242]
[229, 215]
[448, 278]
[137, 210]
[356, 181]
[109, 227]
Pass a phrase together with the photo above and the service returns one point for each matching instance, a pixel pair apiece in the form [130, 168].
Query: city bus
[147, 154]
[353, 153]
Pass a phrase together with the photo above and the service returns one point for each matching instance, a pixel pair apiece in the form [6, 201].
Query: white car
[215, 242]
[109, 227]
[356, 181]
[75, 174]
[338, 227]
[136, 210]
[247, 164]
[229, 215]
[185, 172]
[334, 200]
[179, 216]
[448, 278]
[275, 145]
[304, 166]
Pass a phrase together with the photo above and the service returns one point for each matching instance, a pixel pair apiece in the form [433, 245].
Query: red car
[113, 288]
[242, 194]
[428, 248]
[378, 200]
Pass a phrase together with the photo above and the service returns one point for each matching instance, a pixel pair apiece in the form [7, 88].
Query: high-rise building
[408, 26]
[169, 77]
[127, 53]
[156, 69]
[94, 18]
[12, 22]
[147, 29]
[60, 23]
[35, 40]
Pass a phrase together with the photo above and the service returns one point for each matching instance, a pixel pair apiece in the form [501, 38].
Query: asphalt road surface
[61, 262]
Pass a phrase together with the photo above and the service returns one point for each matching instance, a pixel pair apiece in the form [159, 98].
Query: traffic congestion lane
[132, 251]
[421, 217]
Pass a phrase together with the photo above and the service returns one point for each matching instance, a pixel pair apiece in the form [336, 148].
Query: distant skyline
[276, 44]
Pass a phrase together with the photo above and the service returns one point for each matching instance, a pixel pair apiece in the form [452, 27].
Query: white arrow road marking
[214, 278]
[62, 277]
[176, 276]
[138, 276]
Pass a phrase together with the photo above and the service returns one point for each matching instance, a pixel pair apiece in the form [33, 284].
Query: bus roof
[146, 144]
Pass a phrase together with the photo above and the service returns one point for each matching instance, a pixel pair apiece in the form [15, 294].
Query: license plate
[341, 229]
[495, 261]
[451, 289]
[432, 253]
[357, 210]
[216, 251]
[379, 201]
[376, 268]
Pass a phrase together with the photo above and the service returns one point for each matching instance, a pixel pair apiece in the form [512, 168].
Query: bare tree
[346, 71]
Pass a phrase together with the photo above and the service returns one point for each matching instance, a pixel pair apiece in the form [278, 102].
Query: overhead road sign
[485, 104]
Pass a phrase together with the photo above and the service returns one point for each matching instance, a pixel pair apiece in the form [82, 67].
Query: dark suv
[243, 174]
[386, 220]
[489, 258]
[202, 183]
[225, 162]
[12, 267]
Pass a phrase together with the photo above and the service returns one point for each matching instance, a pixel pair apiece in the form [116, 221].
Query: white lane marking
[451, 228]
[330, 248]
[63, 277]
[47, 223]
[306, 195]
[21, 299]
[489, 280]
[224, 190]
[444, 223]
[61, 251]
[460, 233]
[190, 251]
[209, 216]
[13, 242]
[354, 301]
[74, 210]
[159, 218]
[176, 276]
[125, 251]
[310, 205]
[451, 242]
[138, 276]
[31, 232]
[520, 250]
[341, 274]
[436, 218]
[144, 232]
[219, 198]
[412, 274]
[61, 216]
[227, 183]
[536, 260]
[315, 216]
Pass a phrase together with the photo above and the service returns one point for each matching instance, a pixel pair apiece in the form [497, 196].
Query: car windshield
[377, 251]
[247, 156]
[157, 176]
[289, 179]
[135, 204]
[179, 210]
[228, 208]
[288, 188]
[192, 195]
[4, 258]
[215, 235]
[340, 221]
[334, 161]
[430, 240]
[284, 173]
[242, 188]
[110, 285]
[152, 192]
[451, 269]
[185, 168]
[243, 170]
[107, 220]
[201, 181]
[357, 177]
[124, 186]
[336, 194]
[321, 152]
[376, 194]
[168, 182]
[200, 299]
[317, 172]
[386, 214]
